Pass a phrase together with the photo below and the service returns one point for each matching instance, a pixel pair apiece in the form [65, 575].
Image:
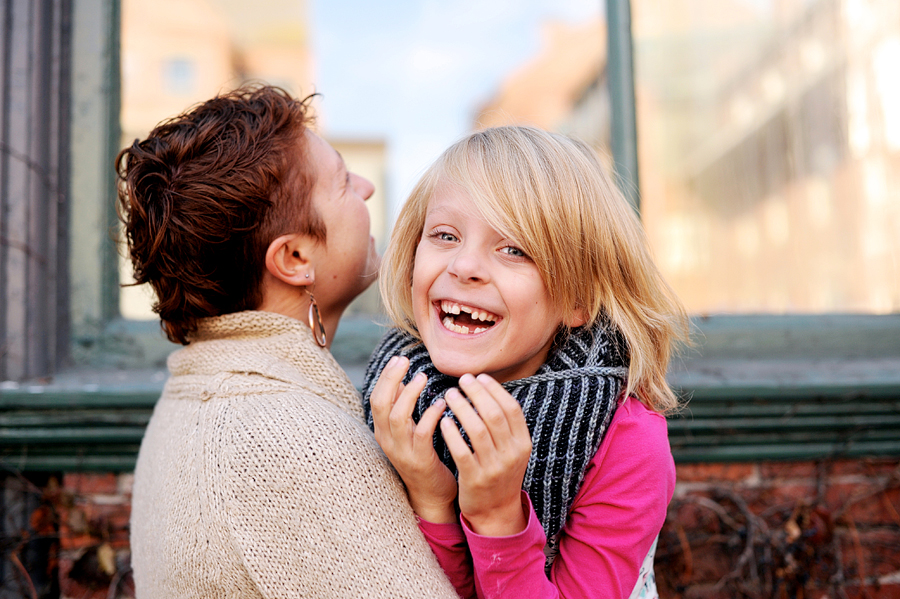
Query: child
[517, 260]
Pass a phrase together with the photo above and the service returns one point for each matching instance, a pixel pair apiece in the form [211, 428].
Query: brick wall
[799, 529]
[94, 510]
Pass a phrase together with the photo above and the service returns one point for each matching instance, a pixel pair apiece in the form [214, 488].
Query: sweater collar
[270, 345]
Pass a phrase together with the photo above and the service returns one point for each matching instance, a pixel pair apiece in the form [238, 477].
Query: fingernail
[453, 393]
[484, 378]
[441, 404]
[466, 378]
[420, 376]
[392, 361]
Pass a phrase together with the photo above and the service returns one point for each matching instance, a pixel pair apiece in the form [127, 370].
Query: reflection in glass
[176, 53]
[768, 149]
[768, 130]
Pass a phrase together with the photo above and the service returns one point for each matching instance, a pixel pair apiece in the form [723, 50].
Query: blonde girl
[533, 327]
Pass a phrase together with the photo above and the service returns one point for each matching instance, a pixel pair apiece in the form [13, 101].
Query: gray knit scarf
[568, 405]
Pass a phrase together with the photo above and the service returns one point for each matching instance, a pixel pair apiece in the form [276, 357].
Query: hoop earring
[315, 321]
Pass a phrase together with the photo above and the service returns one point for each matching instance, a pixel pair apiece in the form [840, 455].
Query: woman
[257, 476]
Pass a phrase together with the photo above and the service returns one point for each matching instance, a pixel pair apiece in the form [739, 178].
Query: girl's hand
[491, 474]
[429, 483]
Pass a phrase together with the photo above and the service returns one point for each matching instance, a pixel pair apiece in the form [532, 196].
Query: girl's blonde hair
[552, 196]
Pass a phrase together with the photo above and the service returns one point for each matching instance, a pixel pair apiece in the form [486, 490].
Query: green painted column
[94, 143]
[620, 71]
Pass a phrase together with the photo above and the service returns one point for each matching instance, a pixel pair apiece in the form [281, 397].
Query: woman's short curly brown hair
[205, 194]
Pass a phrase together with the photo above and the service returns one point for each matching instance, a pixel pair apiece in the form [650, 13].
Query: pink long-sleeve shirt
[613, 522]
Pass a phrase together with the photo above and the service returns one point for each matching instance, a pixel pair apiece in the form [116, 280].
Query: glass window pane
[769, 148]
[176, 53]
[399, 80]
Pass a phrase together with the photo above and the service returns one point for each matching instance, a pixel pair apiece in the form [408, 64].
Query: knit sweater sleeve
[313, 507]
[611, 527]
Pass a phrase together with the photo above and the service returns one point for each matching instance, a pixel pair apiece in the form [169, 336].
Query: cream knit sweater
[258, 478]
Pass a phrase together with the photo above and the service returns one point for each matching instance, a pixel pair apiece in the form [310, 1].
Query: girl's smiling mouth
[463, 319]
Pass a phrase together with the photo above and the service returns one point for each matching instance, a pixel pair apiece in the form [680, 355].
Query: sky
[414, 72]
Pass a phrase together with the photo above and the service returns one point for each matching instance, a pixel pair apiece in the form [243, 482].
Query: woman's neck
[295, 303]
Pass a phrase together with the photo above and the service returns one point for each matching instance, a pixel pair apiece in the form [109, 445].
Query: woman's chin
[373, 266]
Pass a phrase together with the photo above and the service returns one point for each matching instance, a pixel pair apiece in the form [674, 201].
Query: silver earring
[315, 321]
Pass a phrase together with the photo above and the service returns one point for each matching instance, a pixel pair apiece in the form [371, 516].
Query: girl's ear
[577, 319]
[288, 259]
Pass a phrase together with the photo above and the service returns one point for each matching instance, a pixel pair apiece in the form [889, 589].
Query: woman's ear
[288, 259]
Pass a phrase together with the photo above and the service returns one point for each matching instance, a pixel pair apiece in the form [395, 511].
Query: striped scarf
[568, 405]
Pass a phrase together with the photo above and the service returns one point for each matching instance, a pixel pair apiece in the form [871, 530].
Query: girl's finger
[462, 455]
[424, 433]
[401, 414]
[478, 433]
[386, 391]
[515, 417]
[489, 409]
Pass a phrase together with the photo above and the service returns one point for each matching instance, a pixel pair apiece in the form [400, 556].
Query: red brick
[707, 591]
[691, 515]
[887, 591]
[867, 467]
[126, 484]
[73, 529]
[852, 590]
[778, 471]
[89, 524]
[878, 551]
[72, 589]
[783, 496]
[108, 511]
[71, 542]
[784, 487]
[879, 509]
[737, 473]
[81, 484]
[708, 562]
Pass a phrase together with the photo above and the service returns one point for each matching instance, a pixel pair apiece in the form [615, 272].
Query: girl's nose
[468, 266]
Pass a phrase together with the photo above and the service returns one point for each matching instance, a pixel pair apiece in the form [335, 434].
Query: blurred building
[367, 158]
[546, 91]
[175, 53]
[769, 145]
[178, 52]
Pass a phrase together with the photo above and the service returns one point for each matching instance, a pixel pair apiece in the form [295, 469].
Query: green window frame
[761, 387]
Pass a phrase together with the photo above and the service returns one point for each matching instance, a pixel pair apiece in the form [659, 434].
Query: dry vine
[38, 515]
[715, 545]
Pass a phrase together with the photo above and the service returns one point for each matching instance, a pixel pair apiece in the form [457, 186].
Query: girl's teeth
[452, 326]
[453, 308]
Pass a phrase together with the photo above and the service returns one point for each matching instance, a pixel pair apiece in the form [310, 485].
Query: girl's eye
[514, 251]
[444, 236]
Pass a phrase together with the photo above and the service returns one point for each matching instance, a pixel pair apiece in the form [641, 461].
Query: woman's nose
[364, 188]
